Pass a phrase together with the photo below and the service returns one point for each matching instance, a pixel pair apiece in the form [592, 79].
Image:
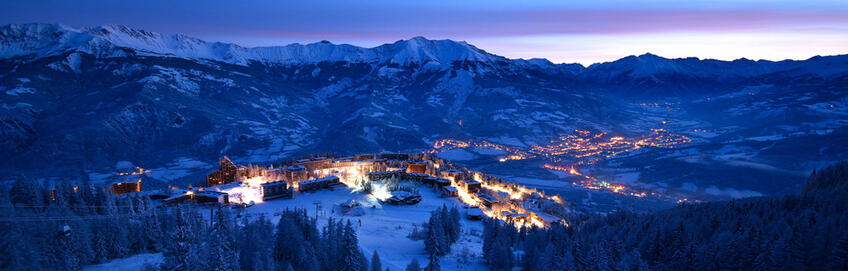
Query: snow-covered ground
[457, 155]
[385, 227]
[131, 263]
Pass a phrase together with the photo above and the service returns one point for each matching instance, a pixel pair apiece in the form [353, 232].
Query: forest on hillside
[793, 232]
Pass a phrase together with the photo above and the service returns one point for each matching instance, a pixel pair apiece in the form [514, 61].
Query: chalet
[449, 191]
[430, 180]
[226, 173]
[548, 220]
[474, 213]
[443, 182]
[487, 200]
[316, 184]
[470, 186]
[452, 174]
[123, 187]
[416, 167]
[277, 189]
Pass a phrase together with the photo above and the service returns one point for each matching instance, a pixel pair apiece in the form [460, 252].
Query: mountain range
[77, 101]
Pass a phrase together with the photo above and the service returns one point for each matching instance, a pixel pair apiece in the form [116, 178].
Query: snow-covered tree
[375, 262]
[413, 265]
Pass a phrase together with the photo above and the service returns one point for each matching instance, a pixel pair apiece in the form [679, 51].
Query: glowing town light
[617, 188]
[380, 192]
[255, 181]
[245, 193]
[574, 171]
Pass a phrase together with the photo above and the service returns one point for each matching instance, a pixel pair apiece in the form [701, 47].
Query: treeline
[830, 181]
[72, 226]
[772, 233]
[86, 225]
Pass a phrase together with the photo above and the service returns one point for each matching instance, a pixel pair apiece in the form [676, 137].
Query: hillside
[769, 233]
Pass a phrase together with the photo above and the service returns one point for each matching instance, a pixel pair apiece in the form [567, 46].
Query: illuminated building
[474, 213]
[211, 197]
[452, 174]
[315, 163]
[471, 186]
[360, 157]
[226, 173]
[443, 182]
[486, 199]
[449, 191]
[123, 187]
[296, 173]
[277, 189]
[199, 197]
[416, 168]
[319, 183]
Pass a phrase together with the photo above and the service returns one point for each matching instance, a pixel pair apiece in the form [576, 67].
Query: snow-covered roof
[224, 187]
[471, 182]
[320, 180]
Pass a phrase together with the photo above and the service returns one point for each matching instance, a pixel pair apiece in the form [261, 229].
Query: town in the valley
[371, 180]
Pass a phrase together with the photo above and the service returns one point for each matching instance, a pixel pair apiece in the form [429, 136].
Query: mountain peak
[423, 50]
[110, 40]
[650, 56]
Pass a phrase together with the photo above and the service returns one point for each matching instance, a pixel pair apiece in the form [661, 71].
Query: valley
[639, 127]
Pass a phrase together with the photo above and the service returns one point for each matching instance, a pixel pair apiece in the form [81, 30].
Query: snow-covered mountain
[78, 100]
[42, 40]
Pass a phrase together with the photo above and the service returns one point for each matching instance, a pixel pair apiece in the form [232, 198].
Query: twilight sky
[562, 31]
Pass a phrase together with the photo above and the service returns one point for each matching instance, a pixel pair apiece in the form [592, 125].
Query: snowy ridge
[41, 40]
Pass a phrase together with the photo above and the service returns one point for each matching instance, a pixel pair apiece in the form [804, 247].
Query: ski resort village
[387, 196]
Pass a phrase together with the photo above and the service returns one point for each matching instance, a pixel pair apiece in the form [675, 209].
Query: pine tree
[839, 256]
[351, 256]
[413, 265]
[17, 251]
[436, 241]
[25, 192]
[178, 250]
[434, 264]
[62, 250]
[455, 227]
[375, 262]
[224, 255]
